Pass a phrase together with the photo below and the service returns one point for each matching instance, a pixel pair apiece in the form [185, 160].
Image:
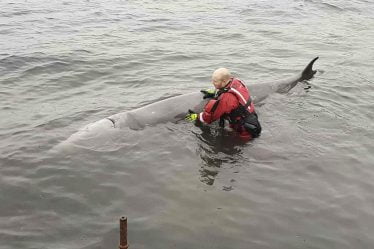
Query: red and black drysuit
[233, 103]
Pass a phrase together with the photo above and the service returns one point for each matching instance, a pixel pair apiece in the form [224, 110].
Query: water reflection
[217, 146]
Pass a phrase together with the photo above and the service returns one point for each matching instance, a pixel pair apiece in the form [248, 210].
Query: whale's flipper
[308, 72]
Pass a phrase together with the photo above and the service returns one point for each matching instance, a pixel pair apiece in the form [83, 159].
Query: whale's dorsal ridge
[308, 72]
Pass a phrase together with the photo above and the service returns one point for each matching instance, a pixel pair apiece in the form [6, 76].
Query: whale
[174, 109]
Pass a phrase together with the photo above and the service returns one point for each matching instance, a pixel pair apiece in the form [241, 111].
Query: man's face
[217, 82]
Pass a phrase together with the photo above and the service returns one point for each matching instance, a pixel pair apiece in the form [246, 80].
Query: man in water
[230, 100]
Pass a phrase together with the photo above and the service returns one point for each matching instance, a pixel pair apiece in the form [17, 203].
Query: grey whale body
[175, 108]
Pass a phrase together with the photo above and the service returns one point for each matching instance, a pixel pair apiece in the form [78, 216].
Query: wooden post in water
[123, 233]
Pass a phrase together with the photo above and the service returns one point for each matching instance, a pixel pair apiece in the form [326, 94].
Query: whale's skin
[175, 108]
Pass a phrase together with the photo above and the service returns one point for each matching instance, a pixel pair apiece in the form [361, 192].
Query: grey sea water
[307, 182]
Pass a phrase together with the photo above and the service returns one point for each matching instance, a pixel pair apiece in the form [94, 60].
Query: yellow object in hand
[191, 116]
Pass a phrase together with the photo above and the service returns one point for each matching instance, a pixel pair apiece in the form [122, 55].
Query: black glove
[209, 93]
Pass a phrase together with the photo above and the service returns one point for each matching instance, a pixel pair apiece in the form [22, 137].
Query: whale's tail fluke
[308, 71]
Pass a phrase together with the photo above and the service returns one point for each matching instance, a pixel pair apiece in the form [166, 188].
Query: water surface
[307, 182]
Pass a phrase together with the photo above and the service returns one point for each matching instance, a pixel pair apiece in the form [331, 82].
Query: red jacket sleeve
[227, 103]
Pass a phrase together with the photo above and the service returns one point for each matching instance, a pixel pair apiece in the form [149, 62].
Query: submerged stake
[123, 233]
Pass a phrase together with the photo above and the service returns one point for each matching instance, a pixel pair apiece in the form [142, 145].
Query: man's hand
[209, 93]
[191, 116]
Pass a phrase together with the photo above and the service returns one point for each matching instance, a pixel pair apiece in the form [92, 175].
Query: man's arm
[226, 103]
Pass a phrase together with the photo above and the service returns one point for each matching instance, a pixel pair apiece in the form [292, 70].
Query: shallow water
[307, 182]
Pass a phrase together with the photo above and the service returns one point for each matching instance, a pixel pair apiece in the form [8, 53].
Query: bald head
[221, 77]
